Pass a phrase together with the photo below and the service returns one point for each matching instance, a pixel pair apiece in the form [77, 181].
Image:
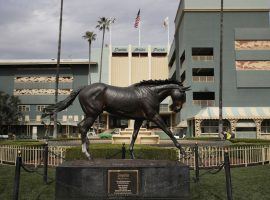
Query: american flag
[138, 19]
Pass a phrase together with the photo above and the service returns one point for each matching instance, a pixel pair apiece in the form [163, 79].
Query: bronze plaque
[123, 182]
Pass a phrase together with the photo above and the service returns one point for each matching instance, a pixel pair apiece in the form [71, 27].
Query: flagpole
[110, 34]
[168, 34]
[139, 34]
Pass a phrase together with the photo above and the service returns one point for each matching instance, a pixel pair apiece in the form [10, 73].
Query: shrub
[113, 151]
[22, 142]
[105, 136]
[249, 141]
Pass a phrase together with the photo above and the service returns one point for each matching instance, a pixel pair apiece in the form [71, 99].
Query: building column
[110, 65]
[198, 127]
[233, 123]
[171, 122]
[258, 123]
[108, 121]
[129, 64]
[149, 62]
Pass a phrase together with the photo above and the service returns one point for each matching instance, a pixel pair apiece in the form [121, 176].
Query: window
[172, 60]
[183, 77]
[202, 54]
[38, 118]
[204, 98]
[158, 54]
[203, 75]
[164, 108]
[24, 108]
[76, 118]
[139, 54]
[119, 54]
[26, 118]
[182, 58]
[265, 126]
[64, 118]
[40, 108]
[211, 126]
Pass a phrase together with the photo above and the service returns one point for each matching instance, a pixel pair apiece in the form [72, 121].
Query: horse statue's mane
[157, 82]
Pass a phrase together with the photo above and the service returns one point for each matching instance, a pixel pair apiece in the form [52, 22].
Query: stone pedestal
[122, 179]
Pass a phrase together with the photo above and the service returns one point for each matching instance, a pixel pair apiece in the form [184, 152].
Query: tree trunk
[100, 68]
[89, 72]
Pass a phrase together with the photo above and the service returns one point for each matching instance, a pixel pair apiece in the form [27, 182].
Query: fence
[212, 156]
[209, 156]
[32, 155]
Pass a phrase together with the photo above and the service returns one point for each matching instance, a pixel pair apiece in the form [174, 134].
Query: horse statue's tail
[61, 105]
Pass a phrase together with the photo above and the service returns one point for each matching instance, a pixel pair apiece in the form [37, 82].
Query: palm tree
[103, 25]
[89, 36]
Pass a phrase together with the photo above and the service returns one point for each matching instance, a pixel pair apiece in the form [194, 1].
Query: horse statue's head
[178, 96]
[169, 87]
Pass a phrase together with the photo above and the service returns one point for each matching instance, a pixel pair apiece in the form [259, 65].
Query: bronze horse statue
[139, 101]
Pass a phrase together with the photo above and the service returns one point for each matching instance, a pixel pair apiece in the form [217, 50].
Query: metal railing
[209, 156]
[202, 58]
[204, 103]
[203, 79]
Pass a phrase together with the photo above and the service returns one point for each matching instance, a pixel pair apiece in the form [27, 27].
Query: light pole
[57, 71]
[220, 121]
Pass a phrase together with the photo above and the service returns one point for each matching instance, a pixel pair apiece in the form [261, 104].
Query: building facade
[33, 81]
[194, 59]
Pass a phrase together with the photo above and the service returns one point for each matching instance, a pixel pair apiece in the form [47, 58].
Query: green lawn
[250, 183]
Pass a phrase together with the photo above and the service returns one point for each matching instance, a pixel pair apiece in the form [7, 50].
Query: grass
[31, 184]
[250, 183]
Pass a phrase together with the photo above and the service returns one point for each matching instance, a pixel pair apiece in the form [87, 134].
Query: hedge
[22, 142]
[113, 151]
[250, 141]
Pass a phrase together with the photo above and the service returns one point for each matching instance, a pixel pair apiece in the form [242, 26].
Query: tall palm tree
[103, 25]
[89, 36]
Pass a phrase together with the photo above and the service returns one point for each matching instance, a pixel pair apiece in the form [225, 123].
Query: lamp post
[57, 71]
[220, 121]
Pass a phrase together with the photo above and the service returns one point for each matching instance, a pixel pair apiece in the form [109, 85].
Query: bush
[105, 136]
[22, 142]
[108, 151]
[249, 141]
[204, 138]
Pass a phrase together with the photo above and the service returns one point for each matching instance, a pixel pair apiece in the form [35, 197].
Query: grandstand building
[33, 81]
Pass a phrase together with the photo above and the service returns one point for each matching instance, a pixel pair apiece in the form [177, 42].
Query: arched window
[265, 126]
[211, 125]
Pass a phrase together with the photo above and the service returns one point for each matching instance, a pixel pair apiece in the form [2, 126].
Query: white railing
[32, 155]
[203, 79]
[212, 156]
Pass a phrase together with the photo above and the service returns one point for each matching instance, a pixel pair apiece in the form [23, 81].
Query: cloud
[29, 28]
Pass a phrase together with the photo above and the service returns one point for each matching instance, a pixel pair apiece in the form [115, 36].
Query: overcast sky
[29, 28]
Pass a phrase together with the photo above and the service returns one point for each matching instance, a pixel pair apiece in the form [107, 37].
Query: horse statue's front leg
[159, 121]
